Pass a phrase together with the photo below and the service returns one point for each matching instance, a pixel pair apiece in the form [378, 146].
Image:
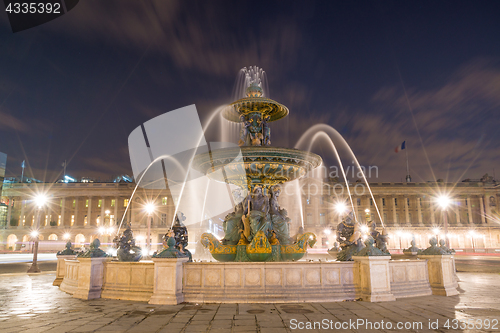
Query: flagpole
[408, 177]
[64, 172]
[22, 173]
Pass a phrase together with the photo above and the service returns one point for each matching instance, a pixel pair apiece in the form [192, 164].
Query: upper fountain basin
[256, 165]
[252, 104]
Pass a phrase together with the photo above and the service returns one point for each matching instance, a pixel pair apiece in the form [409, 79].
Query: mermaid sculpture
[349, 238]
[259, 210]
[233, 221]
[279, 220]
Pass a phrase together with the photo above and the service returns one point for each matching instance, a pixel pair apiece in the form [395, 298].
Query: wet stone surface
[29, 303]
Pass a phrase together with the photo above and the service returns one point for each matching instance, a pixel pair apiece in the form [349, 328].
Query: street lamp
[150, 209]
[340, 207]
[40, 201]
[444, 201]
[472, 234]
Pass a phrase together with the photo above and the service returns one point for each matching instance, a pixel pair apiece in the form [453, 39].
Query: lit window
[72, 219]
[125, 203]
[98, 220]
[99, 203]
[164, 201]
[74, 203]
[358, 200]
[408, 201]
[59, 220]
[46, 219]
[383, 201]
[112, 219]
[87, 203]
[112, 202]
[163, 219]
[60, 203]
[85, 220]
[371, 202]
[395, 201]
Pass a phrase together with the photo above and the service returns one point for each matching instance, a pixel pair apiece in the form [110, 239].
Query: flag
[22, 164]
[399, 148]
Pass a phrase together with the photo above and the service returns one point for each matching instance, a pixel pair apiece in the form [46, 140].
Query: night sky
[380, 72]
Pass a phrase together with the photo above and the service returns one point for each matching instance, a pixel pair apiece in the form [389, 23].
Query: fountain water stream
[327, 128]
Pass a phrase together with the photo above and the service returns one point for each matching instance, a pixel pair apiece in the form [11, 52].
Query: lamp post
[40, 201]
[472, 234]
[444, 201]
[150, 208]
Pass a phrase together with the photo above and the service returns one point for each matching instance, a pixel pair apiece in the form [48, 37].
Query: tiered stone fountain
[258, 229]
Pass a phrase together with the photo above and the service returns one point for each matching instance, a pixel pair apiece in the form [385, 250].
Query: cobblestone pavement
[29, 303]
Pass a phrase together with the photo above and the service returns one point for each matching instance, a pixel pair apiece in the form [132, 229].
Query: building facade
[81, 212]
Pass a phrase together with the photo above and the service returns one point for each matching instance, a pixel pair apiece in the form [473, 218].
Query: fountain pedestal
[374, 278]
[441, 274]
[168, 281]
[90, 277]
[61, 268]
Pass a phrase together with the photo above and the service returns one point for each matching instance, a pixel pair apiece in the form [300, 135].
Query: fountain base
[260, 249]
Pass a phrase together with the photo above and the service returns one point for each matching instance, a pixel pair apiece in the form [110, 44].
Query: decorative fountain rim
[275, 110]
[289, 157]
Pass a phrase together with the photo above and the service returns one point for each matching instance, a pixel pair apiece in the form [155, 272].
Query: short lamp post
[40, 201]
[150, 209]
[472, 234]
[444, 201]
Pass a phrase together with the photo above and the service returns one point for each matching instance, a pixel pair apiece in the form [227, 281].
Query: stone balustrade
[128, 280]
[172, 281]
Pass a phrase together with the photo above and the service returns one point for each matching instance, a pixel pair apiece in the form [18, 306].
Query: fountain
[258, 228]
[254, 257]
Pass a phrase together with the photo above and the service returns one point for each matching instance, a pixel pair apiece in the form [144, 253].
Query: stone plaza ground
[29, 303]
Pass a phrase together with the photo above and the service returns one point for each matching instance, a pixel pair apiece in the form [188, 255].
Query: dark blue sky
[75, 87]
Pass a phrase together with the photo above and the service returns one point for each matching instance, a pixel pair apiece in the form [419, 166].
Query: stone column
[419, 211]
[103, 203]
[441, 274]
[433, 216]
[394, 216]
[380, 206]
[9, 213]
[21, 218]
[63, 206]
[407, 213]
[481, 207]
[469, 210]
[168, 281]
[89, 213]
[116, 211]
[457, 214]
[75, 212]
[374, 278]
[355, 204]
[487, 206]
[90, 277]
